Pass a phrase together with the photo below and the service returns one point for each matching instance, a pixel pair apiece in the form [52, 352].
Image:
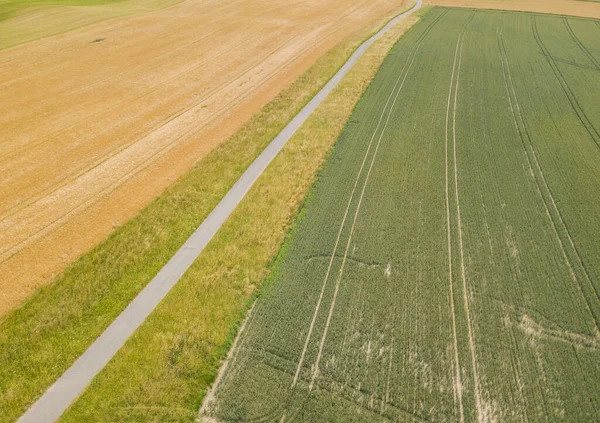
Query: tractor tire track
[585, 121]
[543, 187]
[457, 383]
[580, 44]
[481, 414]
[335, 247]
[342, 267]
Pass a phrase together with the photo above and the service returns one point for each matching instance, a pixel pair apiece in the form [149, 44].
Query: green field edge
[42, 337]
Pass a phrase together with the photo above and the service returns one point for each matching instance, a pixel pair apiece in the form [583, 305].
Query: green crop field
[446, 266]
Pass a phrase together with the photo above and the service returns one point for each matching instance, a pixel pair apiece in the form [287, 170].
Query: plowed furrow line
[457, 383]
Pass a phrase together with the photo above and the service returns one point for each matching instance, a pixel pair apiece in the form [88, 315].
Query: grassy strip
[162, 373]
[41, 339]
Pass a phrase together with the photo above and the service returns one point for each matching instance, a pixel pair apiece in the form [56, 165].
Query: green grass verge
[42, 338]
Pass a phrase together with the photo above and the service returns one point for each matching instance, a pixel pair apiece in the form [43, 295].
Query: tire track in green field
[457, 385]
[319, 301]
[333, 255]
[481, 413]
[542, 186]
[585, 121]
[504, 61]
[570, 62]
[580, 44]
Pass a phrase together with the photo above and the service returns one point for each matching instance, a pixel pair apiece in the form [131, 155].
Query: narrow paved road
[74, 381]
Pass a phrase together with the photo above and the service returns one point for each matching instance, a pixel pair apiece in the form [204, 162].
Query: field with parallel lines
[446, 266]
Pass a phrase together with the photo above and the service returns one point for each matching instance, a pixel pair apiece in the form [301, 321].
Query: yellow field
[98, 121]
[583, 8]
[42, 18]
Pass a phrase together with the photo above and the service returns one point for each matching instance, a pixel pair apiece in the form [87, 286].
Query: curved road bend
[73, 382]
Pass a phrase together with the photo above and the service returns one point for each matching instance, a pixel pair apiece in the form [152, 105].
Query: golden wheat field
[98, 121]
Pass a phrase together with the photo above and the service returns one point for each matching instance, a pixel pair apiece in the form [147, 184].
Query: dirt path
[108, 116]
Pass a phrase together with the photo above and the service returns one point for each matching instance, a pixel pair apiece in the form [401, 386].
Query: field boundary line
[52, 404]
[477, 383]
[457, 388]
[545, 185]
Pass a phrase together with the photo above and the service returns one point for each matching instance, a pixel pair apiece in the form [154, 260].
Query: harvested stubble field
[99, 121]
[583, 8]
[446, 267]
[22, 21]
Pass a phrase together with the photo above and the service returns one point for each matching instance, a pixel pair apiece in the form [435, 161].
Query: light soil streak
[457, 380]
[478, 401]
